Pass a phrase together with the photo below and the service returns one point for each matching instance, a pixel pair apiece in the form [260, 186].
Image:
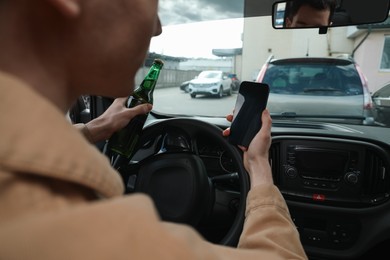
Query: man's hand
[116, 117]
[255, 158]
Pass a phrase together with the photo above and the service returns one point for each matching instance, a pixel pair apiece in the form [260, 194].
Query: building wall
[339, 43]
[237, 66]
[261, 40]
[369, 56]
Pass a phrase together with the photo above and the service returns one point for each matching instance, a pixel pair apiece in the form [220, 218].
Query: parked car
[235, 81]
[185, 86]
[313, 86]
[211, 82]
[381, 101]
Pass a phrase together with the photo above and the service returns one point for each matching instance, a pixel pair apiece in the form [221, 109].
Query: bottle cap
[158, 61]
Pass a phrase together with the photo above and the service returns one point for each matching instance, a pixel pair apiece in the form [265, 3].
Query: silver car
[381, 100]
[314, 87]
[211, 82]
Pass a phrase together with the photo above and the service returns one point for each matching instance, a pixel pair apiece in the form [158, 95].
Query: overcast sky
[197, 40]
[182, 11]
[185, 34]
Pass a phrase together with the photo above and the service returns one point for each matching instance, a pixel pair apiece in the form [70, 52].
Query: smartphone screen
[251, 100]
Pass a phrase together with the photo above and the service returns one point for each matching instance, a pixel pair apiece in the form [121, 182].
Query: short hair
[293, 6]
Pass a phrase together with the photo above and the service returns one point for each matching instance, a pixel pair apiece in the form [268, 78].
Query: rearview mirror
[328, 13]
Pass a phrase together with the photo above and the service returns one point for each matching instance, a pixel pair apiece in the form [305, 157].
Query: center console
[322, 171]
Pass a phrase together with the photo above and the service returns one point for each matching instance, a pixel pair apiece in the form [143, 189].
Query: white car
[211, 82]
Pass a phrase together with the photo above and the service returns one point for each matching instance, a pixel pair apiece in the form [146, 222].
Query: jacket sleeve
[129, 228]
[268, 232]
[268, 225]
[85, 131]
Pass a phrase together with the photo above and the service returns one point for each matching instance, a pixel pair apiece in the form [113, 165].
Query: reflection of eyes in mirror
[327, 13]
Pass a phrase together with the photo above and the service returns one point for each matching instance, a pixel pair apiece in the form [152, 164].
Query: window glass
[385, 62]
[384, 92]
[300, 79]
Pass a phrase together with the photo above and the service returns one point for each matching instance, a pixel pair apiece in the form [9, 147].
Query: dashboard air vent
[376, 177]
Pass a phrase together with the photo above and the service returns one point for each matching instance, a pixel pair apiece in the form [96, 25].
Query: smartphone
[251, 101]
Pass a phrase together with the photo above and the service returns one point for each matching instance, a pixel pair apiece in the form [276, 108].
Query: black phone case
[251, 101]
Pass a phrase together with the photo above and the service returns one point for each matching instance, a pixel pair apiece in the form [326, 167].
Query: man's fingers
[226, 132]
[141, 109]
[266, 120]
[229, 118]
[121, 100]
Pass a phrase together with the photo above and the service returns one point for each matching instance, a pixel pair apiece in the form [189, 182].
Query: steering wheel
[169, 167]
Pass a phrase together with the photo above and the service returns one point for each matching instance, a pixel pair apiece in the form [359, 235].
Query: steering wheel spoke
[129, 173]
[167, 166]
[225, 177]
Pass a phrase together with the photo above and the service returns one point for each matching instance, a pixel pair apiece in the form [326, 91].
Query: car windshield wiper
[320, 89]
[295, 115]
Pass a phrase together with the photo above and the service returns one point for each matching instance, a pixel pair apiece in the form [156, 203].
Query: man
[309, 13]
[59, 196]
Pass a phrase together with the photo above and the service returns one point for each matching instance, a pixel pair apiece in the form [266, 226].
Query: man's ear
[70, 8]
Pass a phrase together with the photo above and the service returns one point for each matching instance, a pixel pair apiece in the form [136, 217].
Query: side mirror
[327, 13]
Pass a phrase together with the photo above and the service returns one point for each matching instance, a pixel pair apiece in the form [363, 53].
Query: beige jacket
[60, 199]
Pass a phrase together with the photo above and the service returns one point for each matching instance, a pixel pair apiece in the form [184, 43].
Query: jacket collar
[36, 138]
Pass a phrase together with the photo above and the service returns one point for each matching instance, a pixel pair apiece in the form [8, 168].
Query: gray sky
[186, 34]
[184, 11]
[198, 39]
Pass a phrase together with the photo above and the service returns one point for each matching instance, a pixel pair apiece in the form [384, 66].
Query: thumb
[141, 109]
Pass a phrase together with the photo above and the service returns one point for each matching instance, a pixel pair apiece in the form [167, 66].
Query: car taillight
[260, 77]
[367, 101]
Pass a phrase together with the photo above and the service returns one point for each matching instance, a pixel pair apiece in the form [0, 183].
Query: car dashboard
[335, 179]
[337, 189]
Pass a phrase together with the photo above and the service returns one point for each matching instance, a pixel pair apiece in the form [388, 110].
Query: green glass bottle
[124, 141]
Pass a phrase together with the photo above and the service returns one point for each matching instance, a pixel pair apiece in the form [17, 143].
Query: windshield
[194, 45]
[209, 75]
[314, 79]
